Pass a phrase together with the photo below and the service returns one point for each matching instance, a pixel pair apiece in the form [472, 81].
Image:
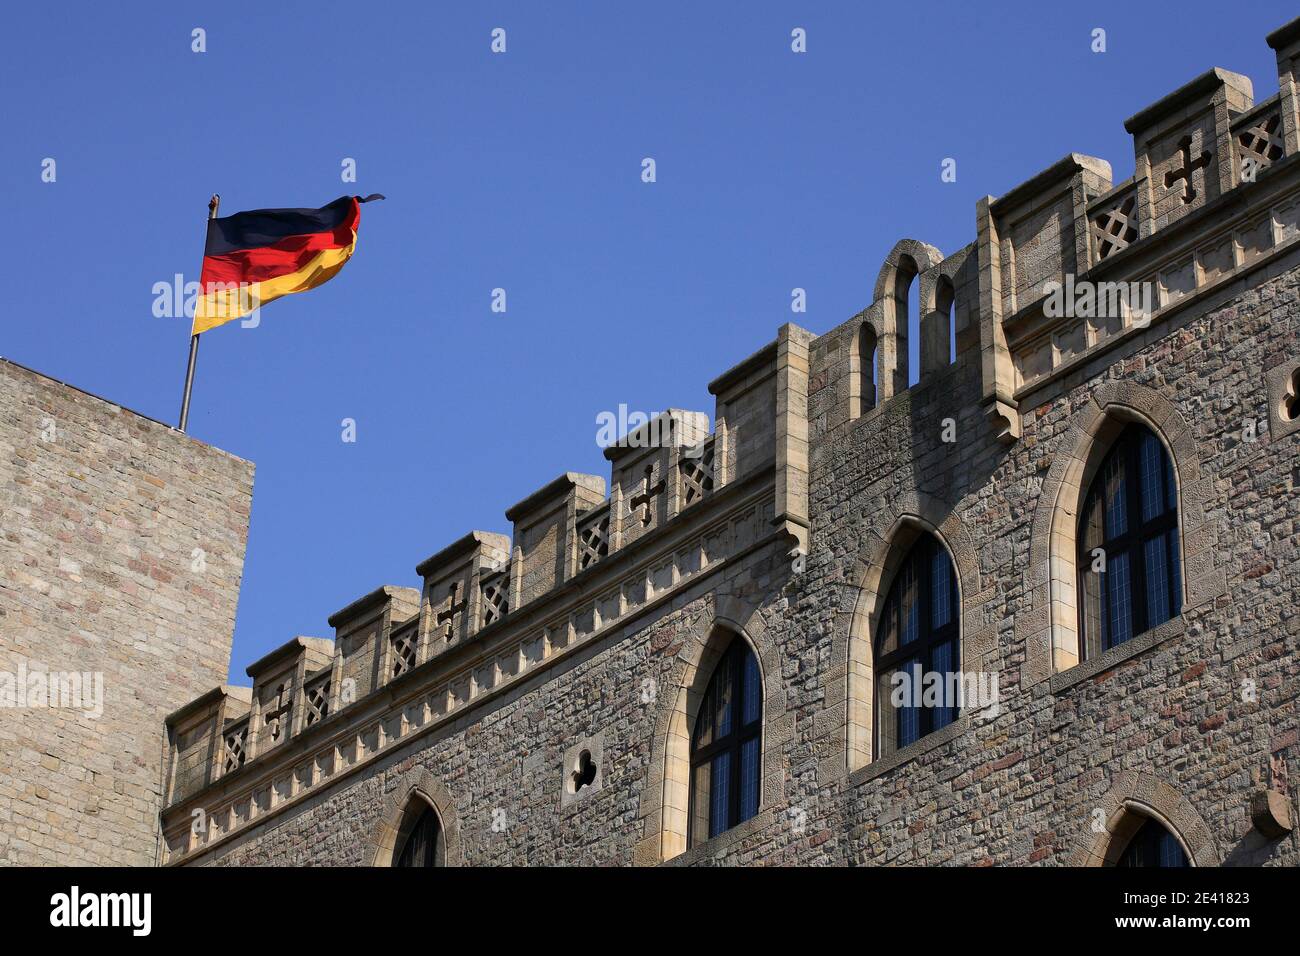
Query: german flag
[252, 258]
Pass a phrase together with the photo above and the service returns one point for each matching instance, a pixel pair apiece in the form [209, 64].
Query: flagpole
[213, 204]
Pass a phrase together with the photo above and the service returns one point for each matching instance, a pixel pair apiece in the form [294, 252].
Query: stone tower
[119, 575]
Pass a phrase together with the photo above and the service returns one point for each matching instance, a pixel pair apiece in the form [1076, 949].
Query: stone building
[1031, 603]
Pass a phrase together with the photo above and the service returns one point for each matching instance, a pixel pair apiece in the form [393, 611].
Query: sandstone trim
[1050, 629]
[421, 786]
[1133, 798]
[723, 618]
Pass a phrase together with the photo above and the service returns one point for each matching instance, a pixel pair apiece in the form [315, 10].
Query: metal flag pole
[213, 204]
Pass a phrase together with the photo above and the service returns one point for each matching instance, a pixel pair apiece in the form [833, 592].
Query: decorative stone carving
[1133, 798]
[1183, 147]
[583, 770]
[1282, 386]
[1270, 813]
[236, 743]
[496, 598]
[593, 539]
[1114, 226]
[318, 700]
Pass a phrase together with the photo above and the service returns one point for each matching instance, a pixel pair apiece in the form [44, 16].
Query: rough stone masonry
[539, 691]
[120, 566]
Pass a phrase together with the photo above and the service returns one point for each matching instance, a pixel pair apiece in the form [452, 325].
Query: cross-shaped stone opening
[1189, 166]
[645, 500]
[276, 713]
[585, 773]
[447, 617]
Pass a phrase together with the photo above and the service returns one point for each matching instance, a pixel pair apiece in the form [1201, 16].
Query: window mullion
[1172, 586]
[1137, 555]
[738, 678]
[927, 631]
[1105, 637]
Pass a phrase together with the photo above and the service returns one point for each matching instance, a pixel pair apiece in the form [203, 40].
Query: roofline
[118, 405]
[744, 367]
[1209, 80]
[284, 650]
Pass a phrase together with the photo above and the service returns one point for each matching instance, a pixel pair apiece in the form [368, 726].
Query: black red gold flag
[255, 257]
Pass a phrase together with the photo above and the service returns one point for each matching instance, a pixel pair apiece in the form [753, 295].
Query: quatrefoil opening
[1290, 407]
[585, 773]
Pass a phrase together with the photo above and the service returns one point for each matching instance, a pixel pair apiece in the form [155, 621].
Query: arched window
[862, 388]
[725, 754]
[1153, 845]
[939, 329]
[918, 649]
[419, 844]
[907, 310]
[1129, 571]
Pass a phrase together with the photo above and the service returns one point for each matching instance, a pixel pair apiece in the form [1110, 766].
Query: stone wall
[1169, 726]
[122, 556]
[831, 464]
[1025, 786]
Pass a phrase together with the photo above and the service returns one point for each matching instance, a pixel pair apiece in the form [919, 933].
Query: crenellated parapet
[279, 706]
[545, 553]
[1068, 265]
[1213, 197]
[452, 604]
[201, 751]
[375, 640]
[655, 468]
[683, 501]
[1285, 42]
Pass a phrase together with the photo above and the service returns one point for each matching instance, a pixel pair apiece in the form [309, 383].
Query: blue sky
[521, 171]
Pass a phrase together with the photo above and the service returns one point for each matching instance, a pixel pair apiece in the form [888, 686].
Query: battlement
[1068, 264]
[682, 499]
[1215, 196]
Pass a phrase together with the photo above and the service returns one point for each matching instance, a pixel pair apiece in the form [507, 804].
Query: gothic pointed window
[918, 649]
[725, 746]
[419, 843]
[908, 312]
[1153, 845]
[1129, 568]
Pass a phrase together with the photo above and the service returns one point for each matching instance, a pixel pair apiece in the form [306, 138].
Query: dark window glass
[918, 648]
[720, 794]
[944, 661]
[940, 571]
[421, 846]
[726, 746]
[910, 619]
[753, 696]
[1153, 845]
[1118, 599]
[1130, 513]
[749, 761]
[1154, 552]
